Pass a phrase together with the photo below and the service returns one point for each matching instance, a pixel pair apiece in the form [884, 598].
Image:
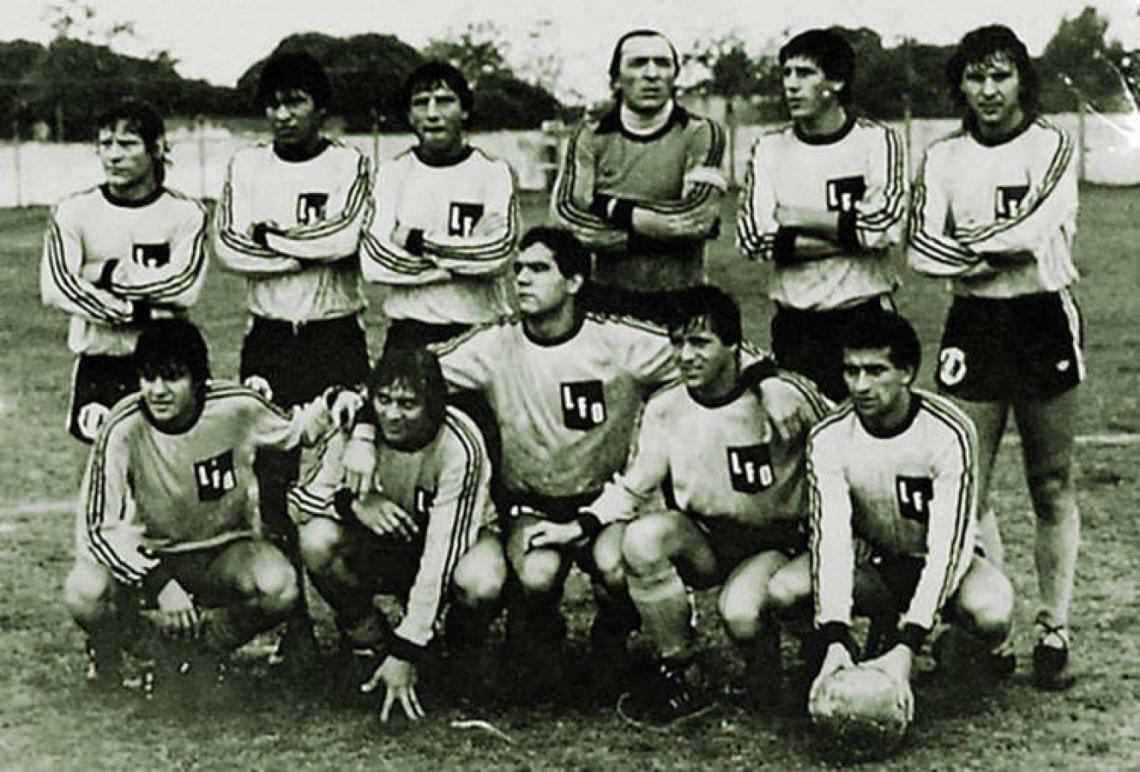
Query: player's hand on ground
[178, 618]
[546, 533]
[785, 408]
[489, 225]
[398, 677]
[345, 407]
[385, 517]
[836, 658]
[260, 385]
[359, 462]
[897, 662]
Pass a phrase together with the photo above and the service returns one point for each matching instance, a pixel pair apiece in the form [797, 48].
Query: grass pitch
[48, 720]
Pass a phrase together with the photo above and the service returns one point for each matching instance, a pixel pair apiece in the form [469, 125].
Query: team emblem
[461, 218]
[583, 404]
[951, 366]
[915, 495]
[215, 476]
[843, 192]
[150, 255]
[423, 501]
[750, 468]
[1007, 200]
[311, 207]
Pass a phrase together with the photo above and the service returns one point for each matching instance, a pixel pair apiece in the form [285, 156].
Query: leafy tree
[1078, 59]
[478, 50]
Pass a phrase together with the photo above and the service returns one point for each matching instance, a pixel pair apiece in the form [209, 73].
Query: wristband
[415, 242]
[913, 636]
[140, 312]
[784, 247]
[106, 275]
[589, 523]
[260, 234]
[621, 213]
[845, 227]
[402, 648]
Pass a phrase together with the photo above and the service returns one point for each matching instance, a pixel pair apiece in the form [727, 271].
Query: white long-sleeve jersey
[155, 252]
[910, 494]
[859, 173]
[454, 274]
[974, 203]
[318, 207]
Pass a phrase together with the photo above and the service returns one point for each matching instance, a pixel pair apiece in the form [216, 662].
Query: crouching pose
[409, 533]
[897, 468]
[167, 514]
[737, 510]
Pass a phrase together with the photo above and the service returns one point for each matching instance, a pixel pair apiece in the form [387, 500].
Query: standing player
[446, 220]
[995, 209]
[824, 200]
[117, 254]
[736, 513]
[408, 533]
[289, 220]
[166, 511]
[897, 468]
[642, 186]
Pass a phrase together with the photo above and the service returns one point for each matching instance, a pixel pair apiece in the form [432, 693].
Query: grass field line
[67, 506]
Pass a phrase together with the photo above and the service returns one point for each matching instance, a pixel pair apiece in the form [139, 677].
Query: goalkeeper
[896, 467]
[410, 532]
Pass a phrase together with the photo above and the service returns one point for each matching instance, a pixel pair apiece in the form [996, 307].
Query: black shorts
[1024, 348]
[97, 383]
[810, 342]
[301, 361]
[412, 333]
[732, 543]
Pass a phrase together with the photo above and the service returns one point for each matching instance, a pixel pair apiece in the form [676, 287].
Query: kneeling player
[167, 512]
[896, 467]
[410, 533]
[738, 508]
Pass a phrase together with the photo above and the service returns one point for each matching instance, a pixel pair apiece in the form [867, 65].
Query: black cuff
[260, 230]
[623, 214]
[342, 505]
[330, 395]
[106, 275]
[401, 648]
[913, 636]
[140, 312]
[784, 248]
[415, 242]
[589, 523]
[601, 205]
[835, 632]
[153, 582]
[848, 239]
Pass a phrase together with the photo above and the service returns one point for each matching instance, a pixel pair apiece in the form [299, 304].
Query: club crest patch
[462, 218]
[583, 404]
[750, 468]
[843, 192]
[311, 207]
[150, 255]
[1007, 200]
[914, 495]
[215, 476]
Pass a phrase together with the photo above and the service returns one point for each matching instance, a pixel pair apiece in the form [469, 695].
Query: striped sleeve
[338, 235]
[1051, 201]
[756, 224]
[454, 518]
[931, 249]
[179, 282]
[817, 404]
[831, 541]
[488, 253]
[952, 512]
[573, 196]
[647, 469]
[704, 177]
[880, 215]
[61, 284]
[468, 360]
[108, 527]
[235, 250]
[382, 260]
[313, 496]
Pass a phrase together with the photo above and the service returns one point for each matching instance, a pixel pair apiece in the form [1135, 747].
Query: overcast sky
[218, 39]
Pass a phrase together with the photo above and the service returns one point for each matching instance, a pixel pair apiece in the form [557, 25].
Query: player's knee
[321, 542]
[786, 592]
[479, 579]
[608, 561]
[88, 592]
[989, 614]
[273, 584]
[741, 615]
[540, 572]
[645, 542]
[1053, 494]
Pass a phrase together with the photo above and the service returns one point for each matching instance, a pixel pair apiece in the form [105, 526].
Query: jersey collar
[611, 124]
[463, 155]
[826, 139]
[128, 203]
[972, 127]
[911, 414]
[579, 320]
[296, 157]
